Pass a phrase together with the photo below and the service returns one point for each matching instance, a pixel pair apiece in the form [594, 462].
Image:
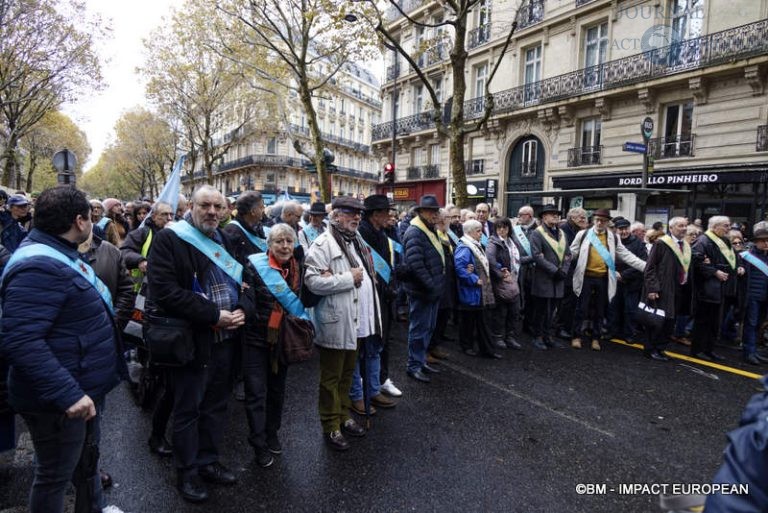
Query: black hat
[602, 212]
[760, 233]
[376, 202]
[621, 222]
[429, 202]
[549, 209]
[347, 202]
[317, 209]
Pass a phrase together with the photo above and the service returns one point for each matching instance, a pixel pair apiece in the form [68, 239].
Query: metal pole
[644, 183]
[394, 117]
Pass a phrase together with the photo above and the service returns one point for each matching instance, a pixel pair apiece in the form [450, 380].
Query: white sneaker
[389, 388]
[112, 509]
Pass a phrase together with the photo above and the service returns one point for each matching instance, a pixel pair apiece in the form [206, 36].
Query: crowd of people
[220, 290]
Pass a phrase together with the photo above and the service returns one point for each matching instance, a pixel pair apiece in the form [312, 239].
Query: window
[271, 146]
[434, 155]
[678, 125]
[417, 45]
[341, 132]
[687, 19]
[596, 45]
[589, 153]
[528, 167]
[418, 99]
[481, 74]
[532, 73]
[437, 86]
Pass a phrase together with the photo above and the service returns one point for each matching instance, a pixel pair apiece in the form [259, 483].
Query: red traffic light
[389, 167]
[389, 172]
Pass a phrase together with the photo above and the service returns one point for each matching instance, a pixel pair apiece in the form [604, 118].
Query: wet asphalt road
[511, 435]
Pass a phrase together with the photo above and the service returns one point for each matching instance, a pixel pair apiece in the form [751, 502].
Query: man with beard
[425, 284]
[621, 313]
[594, 276]
[716, 268]
[245, 230]
[666, 284]
[550, 251]
[193, 279]
[454, 231]
[136, 246]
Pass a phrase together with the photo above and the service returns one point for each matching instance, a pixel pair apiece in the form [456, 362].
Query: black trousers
[475, 324]
[706, 327]
[200, 407]
[567, 308]
[438, 336]
[506, 325]
[264, 394]
[656, 340]
[164, 405]
[543, 312]
[591, 305]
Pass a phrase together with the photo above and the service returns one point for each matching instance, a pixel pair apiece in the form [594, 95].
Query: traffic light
[389, 172]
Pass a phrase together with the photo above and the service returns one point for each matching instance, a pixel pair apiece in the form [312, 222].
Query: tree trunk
[32, 166]
[10, 164]
[456, 129]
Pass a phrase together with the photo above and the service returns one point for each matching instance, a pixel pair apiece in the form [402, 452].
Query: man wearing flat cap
[621, 313]
[595, 277]
[316, 226]
[756, 266]
[339, 267]
[552, 257]
[424, 284]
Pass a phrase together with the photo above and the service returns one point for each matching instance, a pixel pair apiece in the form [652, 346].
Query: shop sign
[670, 179]
[402, 193]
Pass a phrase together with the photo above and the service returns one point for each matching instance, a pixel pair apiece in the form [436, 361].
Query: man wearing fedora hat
[756, 266]
[552, 257]
[315, 227]
[595, 276]
[372, 230]
[425, 264]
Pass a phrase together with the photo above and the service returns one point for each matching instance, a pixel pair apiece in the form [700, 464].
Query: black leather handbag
[649, 316]
[170, 341]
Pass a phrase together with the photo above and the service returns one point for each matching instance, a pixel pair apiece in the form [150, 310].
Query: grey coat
[544, 283]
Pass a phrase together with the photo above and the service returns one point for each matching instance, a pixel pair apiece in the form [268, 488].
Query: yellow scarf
[726, 250]
[418, 223]
[558, 246]
[684, 256]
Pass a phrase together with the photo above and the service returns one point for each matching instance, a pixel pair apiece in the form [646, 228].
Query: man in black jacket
[246, 231]
[372, 230]
[621, 313]
[716, 268]
[196, 285]
[135, 248]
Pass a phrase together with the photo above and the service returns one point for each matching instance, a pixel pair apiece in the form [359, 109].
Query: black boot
[191, 487]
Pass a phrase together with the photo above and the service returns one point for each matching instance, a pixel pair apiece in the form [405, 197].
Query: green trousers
[336, 368]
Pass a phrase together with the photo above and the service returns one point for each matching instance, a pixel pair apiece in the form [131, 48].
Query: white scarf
[477, 250]
[514, 254]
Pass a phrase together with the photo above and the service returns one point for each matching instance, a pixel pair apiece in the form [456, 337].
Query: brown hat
[347, 202]
[602, 212]
[760, 234]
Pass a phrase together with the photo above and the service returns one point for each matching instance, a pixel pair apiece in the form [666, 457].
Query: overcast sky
[131, 22]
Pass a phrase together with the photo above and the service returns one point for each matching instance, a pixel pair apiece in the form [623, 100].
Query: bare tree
[457, 125]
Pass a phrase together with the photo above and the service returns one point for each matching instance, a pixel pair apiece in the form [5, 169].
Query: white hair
[637, 225]
[471, 226]
[715, 220]
[280, 230]
[526, 209]
[676, 221]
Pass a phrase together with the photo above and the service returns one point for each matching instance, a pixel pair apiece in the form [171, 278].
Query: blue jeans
[372, 369]
[59, 442]
[423, 316]
[754, 319]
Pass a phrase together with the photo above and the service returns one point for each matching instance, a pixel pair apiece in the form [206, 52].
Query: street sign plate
[64, 161]
[635, 147]
[646, 129]
[490, 188]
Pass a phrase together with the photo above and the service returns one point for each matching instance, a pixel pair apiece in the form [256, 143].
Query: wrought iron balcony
[710, 50]
[762, 138]
[584, 156]
[431, 171]
[478, 37]
[530, 13]
[404, 126]
[356, 173]
[413, 173]
[671, 147]
[359, 147]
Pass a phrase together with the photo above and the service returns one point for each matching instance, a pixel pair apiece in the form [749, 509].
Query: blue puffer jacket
[757, 282]
[426, 272]
[56, 333]
[469, 293]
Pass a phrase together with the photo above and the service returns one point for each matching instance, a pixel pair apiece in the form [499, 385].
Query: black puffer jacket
[425, 268]
[631, 278]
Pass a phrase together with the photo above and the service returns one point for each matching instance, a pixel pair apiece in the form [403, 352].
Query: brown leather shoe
[431, 359]
[383, 401]
[681, 340]
[596, 345]
[576, 343]
[439, 354]
[359, 408]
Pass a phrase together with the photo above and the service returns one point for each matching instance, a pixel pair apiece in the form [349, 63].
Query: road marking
[526, 398]
[732, 370]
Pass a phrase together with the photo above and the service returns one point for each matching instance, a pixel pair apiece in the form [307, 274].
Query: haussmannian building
[268, 162]
[576, 83]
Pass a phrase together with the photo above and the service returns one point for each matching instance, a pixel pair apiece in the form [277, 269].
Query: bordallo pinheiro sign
[670, 179]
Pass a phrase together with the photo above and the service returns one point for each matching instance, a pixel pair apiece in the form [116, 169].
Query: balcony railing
[404, 126]
[474, 167]
[359, 147]
[584, 156]
[478, 37]
[530, 13]
[579, 3]
[423, 172]
[762, 138]
[671, 147]
[710, 50]
[413, 173]
[431, 171]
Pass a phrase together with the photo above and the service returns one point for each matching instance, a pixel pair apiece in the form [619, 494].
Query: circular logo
[658, 42]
